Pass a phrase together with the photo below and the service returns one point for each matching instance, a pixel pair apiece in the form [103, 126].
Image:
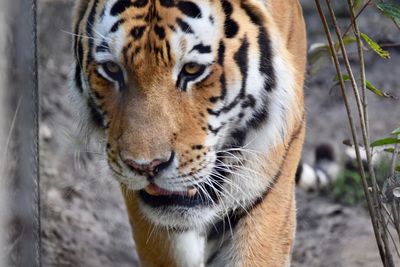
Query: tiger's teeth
[192, 192]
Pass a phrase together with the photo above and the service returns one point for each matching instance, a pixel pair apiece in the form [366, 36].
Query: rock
[44, 132]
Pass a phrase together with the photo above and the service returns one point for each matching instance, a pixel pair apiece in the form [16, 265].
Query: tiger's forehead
[163, 31]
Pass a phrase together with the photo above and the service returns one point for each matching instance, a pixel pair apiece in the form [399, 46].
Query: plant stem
[353, 131]
[363, 79]
[358, 14]
[395, 206]
[375, 187]
[394, 159]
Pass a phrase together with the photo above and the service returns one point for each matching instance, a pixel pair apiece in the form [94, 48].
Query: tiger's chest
[193, 249]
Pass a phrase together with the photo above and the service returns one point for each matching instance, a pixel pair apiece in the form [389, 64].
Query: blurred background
[83, 217]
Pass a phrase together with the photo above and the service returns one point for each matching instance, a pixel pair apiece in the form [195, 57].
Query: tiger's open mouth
[154, 190]
[156, 196]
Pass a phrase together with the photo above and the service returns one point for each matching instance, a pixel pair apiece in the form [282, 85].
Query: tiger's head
[188, 95]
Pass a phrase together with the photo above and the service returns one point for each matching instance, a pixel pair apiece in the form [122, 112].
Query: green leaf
[375, 47]
[317, 51]
[369, 86]
[318, 55]
[396, 131]
[344, 76]
[357, 4]
[397, 168]
[376, 91]
[389, 150]
[385, 141]
[347, 40]
[391, 10]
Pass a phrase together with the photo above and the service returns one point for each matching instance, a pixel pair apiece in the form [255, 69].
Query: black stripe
[167, 3]
[78, 80]
[159, 31]
[116, 25]
[266, 60]
[299, 172]
[95, 113]
[249, 102]
[77, 39]
[168, 47]
[79, 60]
[213, 99]
[230, 26]
[190, 9]
[78, 49]
[81, 14]
[137, 50]
[221, 53]
[125, 52]
[214, 130]
[241, 59]
[120, 6]
[184, 26]
[227, 7]
[264, 45]
[238, 138]
[253, 13]
[140, 3]
[137, 32]
[213, 112]
[89, 30]
[259, 116]
[103, 47]
[222, 80]
[202, 49]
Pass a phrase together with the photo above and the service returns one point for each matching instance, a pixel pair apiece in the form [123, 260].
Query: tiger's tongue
[154, 190]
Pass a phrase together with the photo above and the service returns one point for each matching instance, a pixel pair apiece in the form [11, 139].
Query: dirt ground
[83, 217]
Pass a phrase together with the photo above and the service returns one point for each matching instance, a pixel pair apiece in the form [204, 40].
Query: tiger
[199, 107]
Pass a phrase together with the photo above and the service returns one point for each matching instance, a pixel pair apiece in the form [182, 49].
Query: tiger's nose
[151, 168]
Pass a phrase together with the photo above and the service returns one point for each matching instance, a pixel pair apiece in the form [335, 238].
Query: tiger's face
[177, 88]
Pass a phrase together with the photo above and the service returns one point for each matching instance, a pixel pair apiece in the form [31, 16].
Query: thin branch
[356, 17]
[352, 129]
[389, 45]
[360, 49]
[394, 159]
[375, 188]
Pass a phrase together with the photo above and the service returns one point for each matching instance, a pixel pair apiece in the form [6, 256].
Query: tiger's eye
[192, 68]
[111, 67]
[113, 72]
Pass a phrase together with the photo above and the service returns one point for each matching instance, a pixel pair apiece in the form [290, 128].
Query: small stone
[50, 172]
[53, 196]
[396, 192]
[44, 132]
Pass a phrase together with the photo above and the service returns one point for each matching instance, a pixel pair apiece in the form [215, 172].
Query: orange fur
[151, 117]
